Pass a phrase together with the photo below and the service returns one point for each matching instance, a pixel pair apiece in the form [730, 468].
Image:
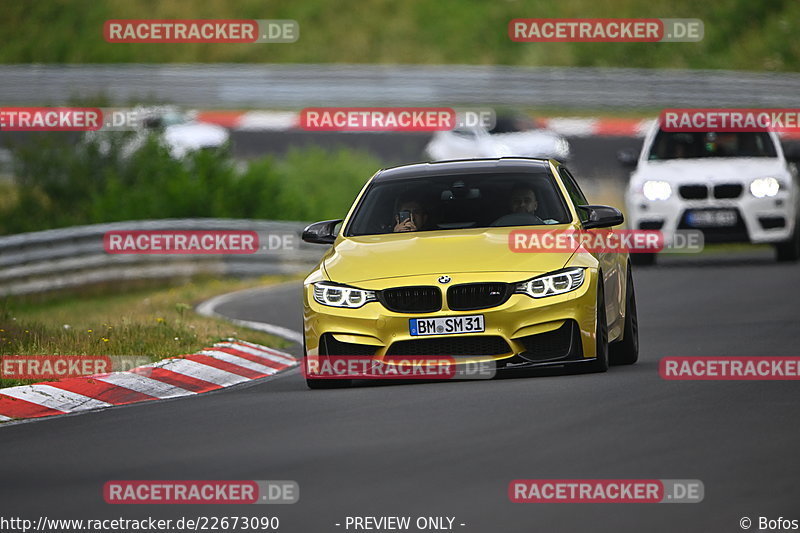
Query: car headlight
[764, 187]
[552, 284]
[342, 295]
[656, 190]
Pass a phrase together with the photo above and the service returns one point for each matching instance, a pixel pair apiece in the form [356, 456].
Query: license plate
[712, 218]
[452, 325]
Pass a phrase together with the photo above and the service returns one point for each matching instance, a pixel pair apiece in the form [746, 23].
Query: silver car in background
[511, 135]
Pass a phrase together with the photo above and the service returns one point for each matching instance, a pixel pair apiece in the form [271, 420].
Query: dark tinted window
[460, 201]
[692, 145]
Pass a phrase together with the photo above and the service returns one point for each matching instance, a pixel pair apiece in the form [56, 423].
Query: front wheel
[789, 250]
[643, 259]
[317, 383]
[626, 351]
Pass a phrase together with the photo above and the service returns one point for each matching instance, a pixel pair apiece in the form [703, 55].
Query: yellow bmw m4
[422, 266]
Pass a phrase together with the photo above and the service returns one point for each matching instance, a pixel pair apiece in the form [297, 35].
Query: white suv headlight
[552, 284]
[656, 190]
[764, 187]
[334, 295]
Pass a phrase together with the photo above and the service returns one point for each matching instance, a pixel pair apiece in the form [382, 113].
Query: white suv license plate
[451, 325]
[712, 218]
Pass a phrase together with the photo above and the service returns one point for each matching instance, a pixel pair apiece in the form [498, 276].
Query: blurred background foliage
[59, 183]
[739, 34]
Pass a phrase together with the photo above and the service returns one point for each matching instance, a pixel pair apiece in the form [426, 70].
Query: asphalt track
[450, 449]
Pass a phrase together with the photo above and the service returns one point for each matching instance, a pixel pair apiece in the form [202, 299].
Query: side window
[575, 193]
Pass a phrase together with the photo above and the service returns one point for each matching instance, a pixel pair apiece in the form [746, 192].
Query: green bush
[739, 34]
[59, 184]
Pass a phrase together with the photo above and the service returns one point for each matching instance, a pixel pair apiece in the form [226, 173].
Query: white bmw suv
[734, 187]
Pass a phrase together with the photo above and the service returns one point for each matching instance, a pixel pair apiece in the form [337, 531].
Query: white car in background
[512, 135]
[734, 187]
[178, 130]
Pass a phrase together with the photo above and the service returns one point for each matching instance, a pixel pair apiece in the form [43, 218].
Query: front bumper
[522, 332]
[759, 220]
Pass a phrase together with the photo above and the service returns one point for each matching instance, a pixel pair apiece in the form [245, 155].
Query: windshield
[457, 202]
[683, 145]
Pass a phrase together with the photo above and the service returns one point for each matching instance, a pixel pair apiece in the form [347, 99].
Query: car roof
[464, 166]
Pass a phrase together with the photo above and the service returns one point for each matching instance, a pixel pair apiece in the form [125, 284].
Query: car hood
[357, 259]
[711, 170]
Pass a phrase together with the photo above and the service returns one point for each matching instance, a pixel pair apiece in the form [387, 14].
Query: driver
[523, 205]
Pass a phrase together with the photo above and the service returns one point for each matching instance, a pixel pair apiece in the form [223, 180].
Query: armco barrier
[294, 86]
[71, 257]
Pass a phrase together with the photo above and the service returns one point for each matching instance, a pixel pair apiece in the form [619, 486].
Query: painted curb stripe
[278, 357]
[209, 374]
[225, 366]
[258, 348]
[15, 408]
[253, 359]
[53, 398]
[102, 391]
[144, 384]
[567, 126]
[182, 380]
[257, 366]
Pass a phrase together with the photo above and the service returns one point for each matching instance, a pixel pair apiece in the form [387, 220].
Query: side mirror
[601, 216]
[628, 157]
[321, 232]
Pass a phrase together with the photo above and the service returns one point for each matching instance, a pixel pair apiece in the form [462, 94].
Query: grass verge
[156, 322]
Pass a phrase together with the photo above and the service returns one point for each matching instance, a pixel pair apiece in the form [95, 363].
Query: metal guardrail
[72, 257]
[295, 85]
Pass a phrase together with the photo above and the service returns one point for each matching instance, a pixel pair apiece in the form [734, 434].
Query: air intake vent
[472, 345]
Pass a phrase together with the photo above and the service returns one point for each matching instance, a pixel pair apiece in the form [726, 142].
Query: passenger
[410, 215]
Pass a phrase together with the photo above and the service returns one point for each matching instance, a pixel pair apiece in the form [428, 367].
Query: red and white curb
[264, 120]
[568, 126]
[598, 127]
[222, 365]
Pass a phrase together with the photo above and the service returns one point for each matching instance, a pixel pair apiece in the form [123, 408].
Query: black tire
[626, 351]
[789, 250]
[600, 364]
[317, 384]
[643, 259]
